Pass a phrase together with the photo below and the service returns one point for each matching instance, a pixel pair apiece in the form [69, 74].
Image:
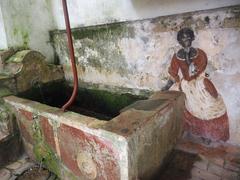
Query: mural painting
[205, 112]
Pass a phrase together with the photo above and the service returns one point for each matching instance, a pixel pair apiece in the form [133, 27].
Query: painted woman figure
[205, 112]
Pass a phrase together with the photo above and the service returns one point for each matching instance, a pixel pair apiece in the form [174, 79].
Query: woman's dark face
[186, 40]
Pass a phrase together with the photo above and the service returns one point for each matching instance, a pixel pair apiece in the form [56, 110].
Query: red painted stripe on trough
[74, 141]
[48, 133]
[28, 115]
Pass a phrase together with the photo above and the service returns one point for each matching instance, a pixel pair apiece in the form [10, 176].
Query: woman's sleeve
[173, 69]
[210, 88]
[201, 63]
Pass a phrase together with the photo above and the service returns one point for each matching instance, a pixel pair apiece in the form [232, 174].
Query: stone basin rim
[40, 109]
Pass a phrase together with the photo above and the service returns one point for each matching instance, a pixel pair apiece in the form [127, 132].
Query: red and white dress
[205, 112]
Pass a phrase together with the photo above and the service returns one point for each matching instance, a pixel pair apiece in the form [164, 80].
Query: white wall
[92, 12]
[3, 38]
[27, 23]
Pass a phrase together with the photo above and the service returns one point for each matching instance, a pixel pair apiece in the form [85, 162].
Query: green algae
[24, 36]
[18, 57]
[109, 31]
[3, 76]
[43, 153]
[96, 46]
[5, 92]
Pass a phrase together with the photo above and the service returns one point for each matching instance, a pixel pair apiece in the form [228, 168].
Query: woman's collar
[193, 53]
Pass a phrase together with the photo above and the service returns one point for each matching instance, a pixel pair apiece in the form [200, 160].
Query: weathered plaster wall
[3, 38]
[136, 55]
[27, 23]
[93, 12]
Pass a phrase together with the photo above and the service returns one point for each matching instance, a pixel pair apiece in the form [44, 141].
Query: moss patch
[23, 34]
[4, 76]
[96, 46]
[25, 38]
[43, 153]
[109, 31]
[5, 92]
[18, 57]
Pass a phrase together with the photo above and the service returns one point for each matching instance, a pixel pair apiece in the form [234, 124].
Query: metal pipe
[72, 57]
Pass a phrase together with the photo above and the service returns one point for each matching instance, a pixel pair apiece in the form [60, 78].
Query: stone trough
[130, 144]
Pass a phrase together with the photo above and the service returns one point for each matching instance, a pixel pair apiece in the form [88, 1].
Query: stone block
[22, 168]
[14, 165]
[215, 169]
[24, 158]
[224, 173]
[233, 159]
[232, 167]
[5, 174]
[201, 164]
[233, 149]
[218, 161]
[213, 158]
[190, 147]
[203, 174]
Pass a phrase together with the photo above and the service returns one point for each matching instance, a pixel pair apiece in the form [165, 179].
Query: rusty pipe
[72, 57]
